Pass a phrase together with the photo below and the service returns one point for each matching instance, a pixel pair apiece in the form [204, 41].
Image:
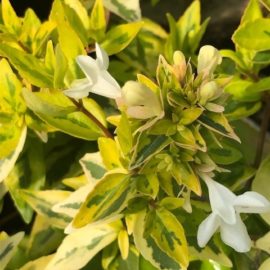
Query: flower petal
[251, 202]
[140, 112]
[106, 86]
[102, 58]
[221, 200]
[207, 228]
[79, 89]
[89, 66]
[236, 235]
[137, 94]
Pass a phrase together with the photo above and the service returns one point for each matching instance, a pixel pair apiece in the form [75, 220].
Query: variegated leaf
[218, 123]
[127, 9]
[149, 248]
[7, 163]
[38, 264]
[80, 247]
[109, 197]
[170, 236]
[43, 201]
[8, 246]
[93, 166]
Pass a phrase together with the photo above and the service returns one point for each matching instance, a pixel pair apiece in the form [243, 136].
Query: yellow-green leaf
[93, 167]
[43, 201]
[109, 153]
[58, 111]
[170, 236]
[108, 198]
[80, 247]
[10, 19]
[31, 69]
[37, 264]
[8, 245]
[7, 163]
[120, 36]
[261, 182]
[123, 243]
[98, 21]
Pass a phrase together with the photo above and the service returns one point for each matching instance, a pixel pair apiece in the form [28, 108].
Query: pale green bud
[208, 59]
[207, 92]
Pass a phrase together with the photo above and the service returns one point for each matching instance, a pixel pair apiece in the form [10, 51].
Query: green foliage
[122, 184]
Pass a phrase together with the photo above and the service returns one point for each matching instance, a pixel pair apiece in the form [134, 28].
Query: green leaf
[37, 264]
[10, 94]
[80, 11]
[124, 135]
[123, 243]
[7, 163]
[256, 31]
[234, 56]
[260, 86]
[265, 265]
[252, 12]
[172, 203]
[14, 184]
[77, 250]
[189, 115]
[170, 236]
[30, 68]
[93, 166]
[208, 254]
[44, 238]
[109, 153]
[240, 110]
[120, 36]
[77, 17]
[127, 9]
[69, 39]
[8, 245]
[43, 201]
[184, 175]
[219, 124]
[61, 63]
[41, 37]
[149, 248]
[151, 146]
[147, 185]
[224, 155]
[31, 24]
[189, 21]
[263, 243]
[261, 182]
[98, 21]
[108, 198]
[71, 205]
[58, 111]
[10, 19]
[242, 90]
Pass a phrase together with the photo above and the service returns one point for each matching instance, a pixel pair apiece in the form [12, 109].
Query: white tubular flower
[208, 59]
[141, 102]
[98, 80]
[226, 209]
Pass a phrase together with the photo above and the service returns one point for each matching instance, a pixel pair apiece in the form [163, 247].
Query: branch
[80, 107]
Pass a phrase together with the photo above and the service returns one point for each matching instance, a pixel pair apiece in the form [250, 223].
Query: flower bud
[207, 92]
[179, 65]
[208, 59]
